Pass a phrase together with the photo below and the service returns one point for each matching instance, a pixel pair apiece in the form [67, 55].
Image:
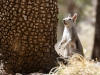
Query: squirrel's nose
[64, 21]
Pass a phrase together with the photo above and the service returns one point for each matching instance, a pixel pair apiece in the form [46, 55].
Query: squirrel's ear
[74, 17]
[69, 16]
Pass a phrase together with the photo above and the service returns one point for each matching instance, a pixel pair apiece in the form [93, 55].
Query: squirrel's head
[69, 21]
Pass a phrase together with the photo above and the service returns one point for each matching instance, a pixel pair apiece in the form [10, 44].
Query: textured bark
[96, 48]
[28, 35]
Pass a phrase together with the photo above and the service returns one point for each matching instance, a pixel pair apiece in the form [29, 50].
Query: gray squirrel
[70, 41]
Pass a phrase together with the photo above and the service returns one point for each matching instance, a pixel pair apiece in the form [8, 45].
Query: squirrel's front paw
[64, 47]
[59, 46]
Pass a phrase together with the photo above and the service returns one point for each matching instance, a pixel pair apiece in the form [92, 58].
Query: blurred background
[85, 23]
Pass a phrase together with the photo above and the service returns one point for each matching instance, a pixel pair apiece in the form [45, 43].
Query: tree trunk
[96, 48]
[28, 35]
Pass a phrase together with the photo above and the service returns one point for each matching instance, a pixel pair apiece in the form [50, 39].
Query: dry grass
[77, 65]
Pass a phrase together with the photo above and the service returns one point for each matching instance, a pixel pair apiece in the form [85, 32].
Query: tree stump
[28, 33]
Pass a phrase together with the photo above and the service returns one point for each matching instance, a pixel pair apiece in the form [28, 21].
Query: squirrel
[70, 41]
